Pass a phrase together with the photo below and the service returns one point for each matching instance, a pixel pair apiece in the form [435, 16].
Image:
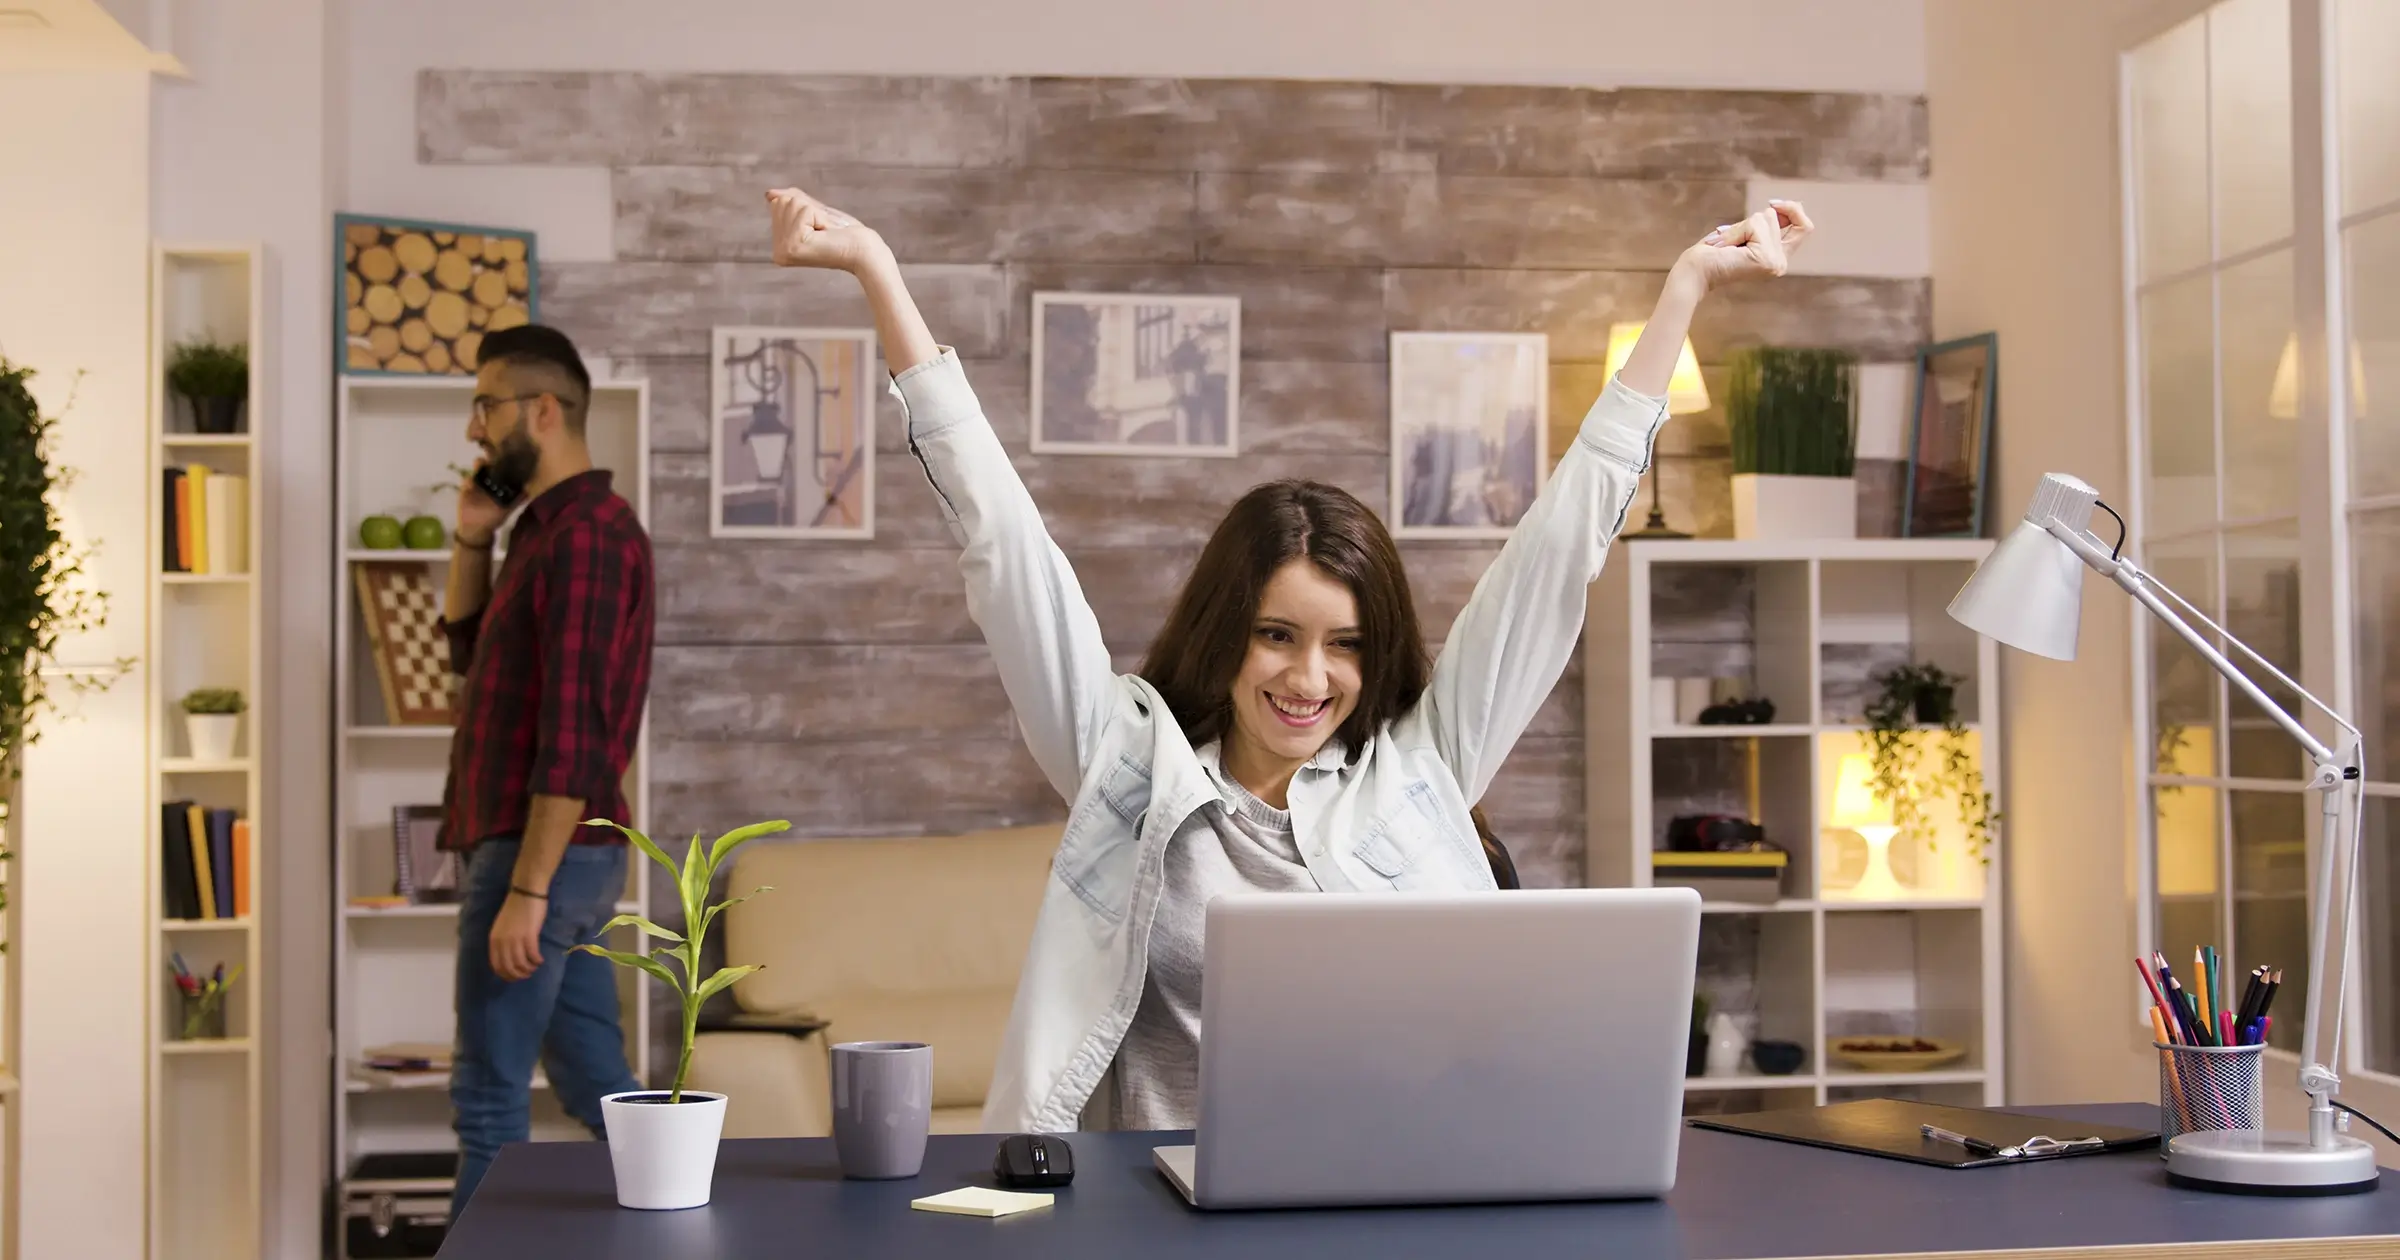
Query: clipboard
[1894, 1129]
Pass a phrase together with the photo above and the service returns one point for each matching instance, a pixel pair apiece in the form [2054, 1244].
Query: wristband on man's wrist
[522, 891]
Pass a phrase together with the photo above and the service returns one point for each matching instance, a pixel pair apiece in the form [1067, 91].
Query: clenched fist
[809, 233]
[1756, 247]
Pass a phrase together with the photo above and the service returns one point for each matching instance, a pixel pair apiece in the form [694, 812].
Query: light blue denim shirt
[1394, 818]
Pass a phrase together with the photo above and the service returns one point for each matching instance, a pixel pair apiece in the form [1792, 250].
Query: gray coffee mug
[882, 1107]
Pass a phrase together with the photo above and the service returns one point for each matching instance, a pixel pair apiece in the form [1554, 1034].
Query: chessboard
[403, 616]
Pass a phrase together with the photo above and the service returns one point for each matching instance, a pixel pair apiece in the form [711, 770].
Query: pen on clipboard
[1977, 1145]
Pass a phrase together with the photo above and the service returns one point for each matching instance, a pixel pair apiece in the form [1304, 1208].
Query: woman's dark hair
[1207, 634]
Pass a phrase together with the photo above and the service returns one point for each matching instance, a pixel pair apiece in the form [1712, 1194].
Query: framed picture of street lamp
[791, 433]
[1136, 374]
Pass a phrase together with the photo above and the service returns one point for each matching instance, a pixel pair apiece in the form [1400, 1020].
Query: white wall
[248, 149]
[75, 269]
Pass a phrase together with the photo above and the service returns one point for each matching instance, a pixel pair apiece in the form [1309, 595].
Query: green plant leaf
[638, 840]
[648, 928]
[693, 881]
[724, 979]
[638, 961]
[733, 839]
[721, 907]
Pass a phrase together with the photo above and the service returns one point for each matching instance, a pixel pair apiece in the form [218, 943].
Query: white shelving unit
[1803, 624]
[394, 966]
[205, 630]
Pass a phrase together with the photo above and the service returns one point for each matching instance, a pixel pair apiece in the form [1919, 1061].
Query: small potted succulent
[212, 717]
[662, 1143]
[214, 380]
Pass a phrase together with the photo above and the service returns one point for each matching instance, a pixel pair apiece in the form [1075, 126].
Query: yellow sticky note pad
[978, 1201]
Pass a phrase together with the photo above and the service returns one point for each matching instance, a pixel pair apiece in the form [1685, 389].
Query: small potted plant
[662, 1143]
[214, 380]
[1911, 697]
[212, 716]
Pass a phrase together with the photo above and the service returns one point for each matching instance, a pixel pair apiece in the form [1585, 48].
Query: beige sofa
[888, 939]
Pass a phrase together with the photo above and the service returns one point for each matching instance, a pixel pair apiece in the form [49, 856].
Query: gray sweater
[1158, 1063]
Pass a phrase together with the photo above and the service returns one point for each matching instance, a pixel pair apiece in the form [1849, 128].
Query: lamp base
[2247, 1161]
[1656, 527]
[1878, 883]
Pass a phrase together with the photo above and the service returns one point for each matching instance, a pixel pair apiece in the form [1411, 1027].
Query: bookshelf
[1806, 624]
[396, 439]
[205, 1101]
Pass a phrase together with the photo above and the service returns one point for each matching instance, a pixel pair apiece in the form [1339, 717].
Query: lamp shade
[1854, 801]
[1686, 392]
[2028, 593]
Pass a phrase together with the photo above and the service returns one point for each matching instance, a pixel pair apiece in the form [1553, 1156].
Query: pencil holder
[203, 1016]
[2206, 1088]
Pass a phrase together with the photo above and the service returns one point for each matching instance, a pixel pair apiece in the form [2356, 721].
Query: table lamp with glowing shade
[1857, 808]
[1686, 393]
[2028, 594]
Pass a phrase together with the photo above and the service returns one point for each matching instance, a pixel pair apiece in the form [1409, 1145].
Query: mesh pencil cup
[2208, 1088]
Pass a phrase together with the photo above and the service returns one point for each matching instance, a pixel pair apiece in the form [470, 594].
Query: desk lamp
[1857, 808]
[1686, 393]
[2028, 594]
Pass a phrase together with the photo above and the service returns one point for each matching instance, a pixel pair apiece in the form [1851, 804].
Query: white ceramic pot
[1772, 506]
[211, 734]
[665, 1154]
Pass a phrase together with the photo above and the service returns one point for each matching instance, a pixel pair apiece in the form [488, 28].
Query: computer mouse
[1033, 1161]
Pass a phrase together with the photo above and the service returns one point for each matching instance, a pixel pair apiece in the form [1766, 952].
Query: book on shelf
[205, 859]
[206, 521]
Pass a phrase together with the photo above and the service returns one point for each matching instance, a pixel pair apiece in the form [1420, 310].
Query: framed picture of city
[1136, 374]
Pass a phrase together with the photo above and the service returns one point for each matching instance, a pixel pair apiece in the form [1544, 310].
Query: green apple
[426, 533]
[379, 532]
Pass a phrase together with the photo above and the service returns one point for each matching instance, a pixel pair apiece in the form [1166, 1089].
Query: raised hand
[809, 233]
[1757, 247]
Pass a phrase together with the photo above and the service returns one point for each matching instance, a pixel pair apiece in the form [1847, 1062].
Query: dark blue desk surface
[1735, 1198]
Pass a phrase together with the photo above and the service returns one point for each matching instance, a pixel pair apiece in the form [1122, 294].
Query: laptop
[1420, 1048]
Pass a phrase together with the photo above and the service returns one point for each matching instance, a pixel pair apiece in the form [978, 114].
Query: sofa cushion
[905, 938]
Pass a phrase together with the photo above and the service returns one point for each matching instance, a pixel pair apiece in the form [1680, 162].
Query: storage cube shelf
[398, 439]
[1676, 626]
[205, 1095]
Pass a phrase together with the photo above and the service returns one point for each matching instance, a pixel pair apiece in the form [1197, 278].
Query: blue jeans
[564, 1014]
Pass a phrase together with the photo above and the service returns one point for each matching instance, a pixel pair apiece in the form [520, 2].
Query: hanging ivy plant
[40, 598]
[1911, 697]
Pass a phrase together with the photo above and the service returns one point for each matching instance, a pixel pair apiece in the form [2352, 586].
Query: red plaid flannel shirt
[557, 667]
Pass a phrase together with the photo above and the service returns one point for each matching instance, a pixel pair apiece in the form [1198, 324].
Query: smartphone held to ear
[500, 490]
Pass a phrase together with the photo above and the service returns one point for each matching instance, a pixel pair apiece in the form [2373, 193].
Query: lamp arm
[2334, 771]
[2145, 591]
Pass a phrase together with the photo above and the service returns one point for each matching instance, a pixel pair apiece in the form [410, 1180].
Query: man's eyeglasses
[483, 406]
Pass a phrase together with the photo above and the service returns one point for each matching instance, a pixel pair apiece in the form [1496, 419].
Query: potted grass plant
[662, 1143]
[214, 382]
[1794, 443]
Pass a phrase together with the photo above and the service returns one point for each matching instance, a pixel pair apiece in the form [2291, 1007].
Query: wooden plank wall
[842, 684]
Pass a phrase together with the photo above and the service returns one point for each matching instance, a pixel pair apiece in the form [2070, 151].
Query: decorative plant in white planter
[663, 1142]
[1794, 443]
[212, 717]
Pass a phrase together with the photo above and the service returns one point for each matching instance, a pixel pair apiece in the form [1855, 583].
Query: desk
[1736, 1198]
